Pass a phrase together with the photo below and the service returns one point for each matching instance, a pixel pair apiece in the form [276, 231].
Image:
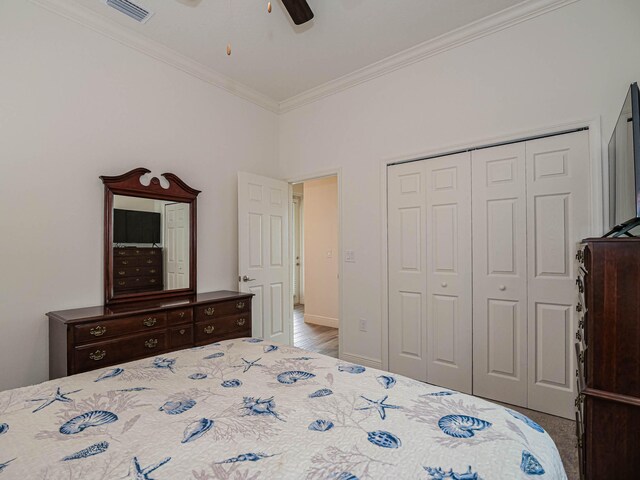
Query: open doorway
[316, 265]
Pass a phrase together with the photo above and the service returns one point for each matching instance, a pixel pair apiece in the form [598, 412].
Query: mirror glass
[150, 245]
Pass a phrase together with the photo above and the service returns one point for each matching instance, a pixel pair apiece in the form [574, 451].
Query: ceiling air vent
[130, 9]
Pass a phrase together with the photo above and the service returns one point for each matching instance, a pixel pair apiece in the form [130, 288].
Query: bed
[244, 409]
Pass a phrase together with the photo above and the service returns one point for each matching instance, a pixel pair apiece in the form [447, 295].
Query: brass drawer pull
[122, 283]
[149, 322]
[149, 260]
[152, 280]
[241, 322]
[98, 331]
[98, 355]
[125, 262]
[181, 314]
[240, 305]
[153, 270]
[182, 331]
[209, 311]
[121, 272]
[209, 329]
[151, 343]
[120, 252]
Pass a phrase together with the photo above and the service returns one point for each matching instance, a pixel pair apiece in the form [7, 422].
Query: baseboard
[366, 361]
[320, 320]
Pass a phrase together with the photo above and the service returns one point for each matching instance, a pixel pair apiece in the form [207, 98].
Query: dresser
[137, 269]
[85, 339]
[608, 351]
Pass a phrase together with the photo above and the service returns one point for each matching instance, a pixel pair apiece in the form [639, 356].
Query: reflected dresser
[137, 269]
[85, 339]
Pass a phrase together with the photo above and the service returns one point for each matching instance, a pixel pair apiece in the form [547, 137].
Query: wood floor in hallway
[315, 338]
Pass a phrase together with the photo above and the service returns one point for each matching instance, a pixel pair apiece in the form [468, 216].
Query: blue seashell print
[214, 355]
[384, 439]
[530, 464]
[351, 368]
[259, 406]
[386, 381]
[292, 377]
[440, 474]
[321, 425]
[525, 419]
[109, 374]
[197, 429]
[138, 472]
[88, 452]
[462, 426]
[178, 407]
[246, 457]
[302, 358]
[346, 476]
[438, 394]
[133, 389]
[5, 464]
[198, 376]
[161, 362]
[94, 418]
[253, 340]
[231, 383]
[269, 348]
[323, 392]
[4, 428]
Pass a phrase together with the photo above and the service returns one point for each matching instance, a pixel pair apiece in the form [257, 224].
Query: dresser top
[123, 310]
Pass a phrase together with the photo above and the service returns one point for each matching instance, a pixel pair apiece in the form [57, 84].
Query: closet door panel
[558, 200]
[407, 270]
[448, 240]
[499, 274]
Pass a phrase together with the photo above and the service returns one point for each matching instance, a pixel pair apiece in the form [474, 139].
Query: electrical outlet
[363, 325]
[350, 256]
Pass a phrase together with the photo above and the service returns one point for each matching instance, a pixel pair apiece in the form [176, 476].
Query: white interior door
[263, 253]
[407, 259]
[176, 239]
[297, 251]
[500, 274]
[449, 283]
[558, 217]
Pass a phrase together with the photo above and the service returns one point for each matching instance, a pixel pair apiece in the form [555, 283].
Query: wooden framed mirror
[150, 232]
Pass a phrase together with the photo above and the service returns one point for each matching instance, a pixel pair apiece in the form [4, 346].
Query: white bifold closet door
[500, 274]
[430, 329]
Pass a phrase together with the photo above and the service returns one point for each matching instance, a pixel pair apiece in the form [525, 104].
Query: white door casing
[558, 216]
[407, 259]
[449, 282]
[500, 274]
[263, 253]
[176, 245]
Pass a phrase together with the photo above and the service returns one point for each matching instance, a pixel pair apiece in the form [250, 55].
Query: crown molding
[129, 38]
[486, 26]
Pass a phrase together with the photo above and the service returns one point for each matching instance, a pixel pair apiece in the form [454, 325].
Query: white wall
[320, 237]
[572, 64]
[75, 105]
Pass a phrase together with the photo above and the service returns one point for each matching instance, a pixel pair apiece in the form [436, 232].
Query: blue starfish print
[136, 472]
[58, 396]
[247, 364]
[379, 405]
[4, 465]
[168, 363]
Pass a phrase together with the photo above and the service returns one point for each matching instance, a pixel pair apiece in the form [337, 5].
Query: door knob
[247, 279]
[443, 284]
[502, 288]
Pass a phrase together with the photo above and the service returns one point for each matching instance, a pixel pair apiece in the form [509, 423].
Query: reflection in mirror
[150, 245]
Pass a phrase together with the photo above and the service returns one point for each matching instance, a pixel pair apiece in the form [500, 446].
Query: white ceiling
[273, 56]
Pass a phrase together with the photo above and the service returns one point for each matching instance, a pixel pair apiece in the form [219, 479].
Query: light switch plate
[363, 325]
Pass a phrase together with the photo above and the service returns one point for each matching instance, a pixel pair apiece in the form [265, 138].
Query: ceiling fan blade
[299, 11]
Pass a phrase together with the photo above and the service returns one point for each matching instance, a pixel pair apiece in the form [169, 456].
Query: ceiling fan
[298, 10]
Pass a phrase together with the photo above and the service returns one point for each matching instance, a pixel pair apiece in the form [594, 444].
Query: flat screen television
[131, 226]
[624, 164]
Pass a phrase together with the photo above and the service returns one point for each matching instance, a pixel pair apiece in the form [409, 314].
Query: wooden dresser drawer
[222, 309]
[97, 355]
[211, 330]
[91, 332]
[181, 315]
[136, 282]
[139, 271]
[181, 337]
[138, 261]
[136, 252]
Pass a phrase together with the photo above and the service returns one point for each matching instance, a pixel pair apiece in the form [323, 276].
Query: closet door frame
[598, 193]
